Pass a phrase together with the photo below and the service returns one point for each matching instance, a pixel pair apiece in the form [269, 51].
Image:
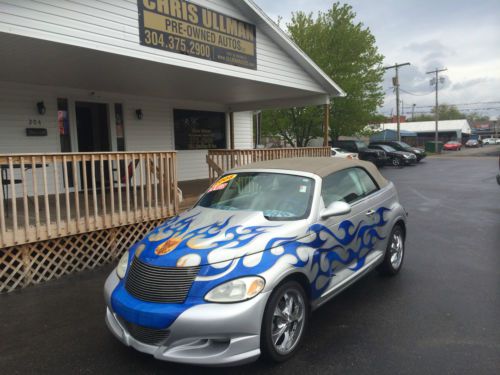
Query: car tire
[275, 345]
[395, 252]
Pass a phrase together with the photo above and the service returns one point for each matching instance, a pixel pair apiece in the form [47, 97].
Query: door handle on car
[370, 213]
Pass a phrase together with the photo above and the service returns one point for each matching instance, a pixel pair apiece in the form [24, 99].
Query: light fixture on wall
[40, 106]
[138, 113]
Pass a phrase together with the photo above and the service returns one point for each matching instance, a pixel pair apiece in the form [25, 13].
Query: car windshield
[278, 196]
[387, 148]
[361, 144]
[403, 145]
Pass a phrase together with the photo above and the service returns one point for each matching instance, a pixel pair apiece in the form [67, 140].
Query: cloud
[467, 84]
[460, 35]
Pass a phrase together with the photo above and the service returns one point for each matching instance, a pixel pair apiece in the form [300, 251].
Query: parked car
[238, 275]
[397, 158]
[491, 141]
[341, 153]
[377, 157]
[452, 146]
[402, 146]
[472, 143]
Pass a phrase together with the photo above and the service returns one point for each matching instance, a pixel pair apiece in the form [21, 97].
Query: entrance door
[92, 127]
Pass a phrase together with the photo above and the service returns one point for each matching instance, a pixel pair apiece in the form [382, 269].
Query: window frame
[360, 198]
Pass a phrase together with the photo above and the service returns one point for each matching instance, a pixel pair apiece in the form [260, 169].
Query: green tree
[297, 126]
[346, 51]
[476, 117]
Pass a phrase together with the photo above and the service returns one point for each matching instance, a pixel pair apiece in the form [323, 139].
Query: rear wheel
[394, 254]
[285, 322]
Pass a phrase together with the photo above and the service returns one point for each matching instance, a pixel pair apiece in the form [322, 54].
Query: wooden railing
[44, 196]
[220, 161]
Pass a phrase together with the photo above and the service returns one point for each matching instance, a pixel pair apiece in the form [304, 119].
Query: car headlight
[121, 268]
[236, 290]
[406, 156]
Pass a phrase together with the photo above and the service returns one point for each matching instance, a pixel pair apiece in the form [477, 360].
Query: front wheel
[394, 254]
[396, 162]
[285, 322]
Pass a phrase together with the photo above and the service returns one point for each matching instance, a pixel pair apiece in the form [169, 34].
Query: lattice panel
[35, 263]
[12, 268]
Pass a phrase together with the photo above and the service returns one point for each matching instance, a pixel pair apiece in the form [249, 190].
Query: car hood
[204, 236]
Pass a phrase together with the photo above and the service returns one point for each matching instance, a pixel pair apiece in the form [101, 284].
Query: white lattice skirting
[21, 266]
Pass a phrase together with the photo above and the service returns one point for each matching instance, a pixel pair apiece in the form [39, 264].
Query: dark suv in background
[377, 157]
[401, 146]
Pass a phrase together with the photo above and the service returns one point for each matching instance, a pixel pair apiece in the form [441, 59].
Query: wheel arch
[299, 277]
[401, 223]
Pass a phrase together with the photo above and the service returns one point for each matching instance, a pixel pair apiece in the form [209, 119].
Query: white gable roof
[427, 126]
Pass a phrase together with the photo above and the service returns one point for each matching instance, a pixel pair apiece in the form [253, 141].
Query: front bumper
[411, 161]
[209, 334]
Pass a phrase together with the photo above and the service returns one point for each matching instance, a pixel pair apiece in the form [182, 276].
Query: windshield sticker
[217, 187]
[303, 189]
[226, 179]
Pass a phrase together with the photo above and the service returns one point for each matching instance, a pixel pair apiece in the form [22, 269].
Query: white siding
[243, 130]
[112, 26]
[153, 133]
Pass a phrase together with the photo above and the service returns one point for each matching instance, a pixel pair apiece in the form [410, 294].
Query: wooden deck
[50, 196]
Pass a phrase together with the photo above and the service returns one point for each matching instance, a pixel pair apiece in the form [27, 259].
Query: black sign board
[36, 132]
[184, 27]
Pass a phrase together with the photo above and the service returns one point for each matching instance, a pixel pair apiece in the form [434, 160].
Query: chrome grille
[151, 336]
[159, 284]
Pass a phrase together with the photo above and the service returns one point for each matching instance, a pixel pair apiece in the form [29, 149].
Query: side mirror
[336, 209]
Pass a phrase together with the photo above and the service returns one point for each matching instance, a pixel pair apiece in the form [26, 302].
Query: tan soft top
[320, 166]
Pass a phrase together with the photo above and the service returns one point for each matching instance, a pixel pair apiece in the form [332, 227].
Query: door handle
[370, 213]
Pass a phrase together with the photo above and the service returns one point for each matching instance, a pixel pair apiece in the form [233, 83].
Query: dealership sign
[184, 27]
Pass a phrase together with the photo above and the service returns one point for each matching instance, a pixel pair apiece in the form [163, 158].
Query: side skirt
[330, 293]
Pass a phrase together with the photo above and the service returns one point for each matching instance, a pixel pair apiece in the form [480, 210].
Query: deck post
[326, 124]
[231, 130]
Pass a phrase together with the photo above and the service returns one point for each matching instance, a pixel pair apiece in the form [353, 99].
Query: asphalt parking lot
[441, 315]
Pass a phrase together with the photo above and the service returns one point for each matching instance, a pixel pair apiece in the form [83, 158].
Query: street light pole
[395, 82]
[436, 112]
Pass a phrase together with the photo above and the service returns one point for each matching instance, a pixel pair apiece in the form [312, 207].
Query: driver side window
[348, 186]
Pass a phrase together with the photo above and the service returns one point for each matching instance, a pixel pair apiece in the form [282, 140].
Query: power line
[459, 104]
[411, 93]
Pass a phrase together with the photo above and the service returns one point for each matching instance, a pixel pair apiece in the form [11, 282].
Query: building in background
[448, 130]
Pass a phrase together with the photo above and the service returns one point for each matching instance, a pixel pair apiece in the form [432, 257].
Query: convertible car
[237, 276]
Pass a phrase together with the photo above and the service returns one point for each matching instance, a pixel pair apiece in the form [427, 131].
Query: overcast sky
[461, 35]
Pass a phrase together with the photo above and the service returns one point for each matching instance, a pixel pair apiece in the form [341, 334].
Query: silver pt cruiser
[237, 276]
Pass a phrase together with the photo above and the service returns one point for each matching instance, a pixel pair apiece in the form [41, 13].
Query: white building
[100, 65]
[447, 129]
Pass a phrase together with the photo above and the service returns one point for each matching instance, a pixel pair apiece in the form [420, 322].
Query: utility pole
[436, 114]
[413, 112]
[395, 83]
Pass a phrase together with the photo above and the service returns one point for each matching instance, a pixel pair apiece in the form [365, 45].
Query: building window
[120, 129]
[63, 124]
[199, 130]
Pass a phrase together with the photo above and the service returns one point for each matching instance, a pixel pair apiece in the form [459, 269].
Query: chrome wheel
[396, 162]
[396, 249]
[288, 321]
